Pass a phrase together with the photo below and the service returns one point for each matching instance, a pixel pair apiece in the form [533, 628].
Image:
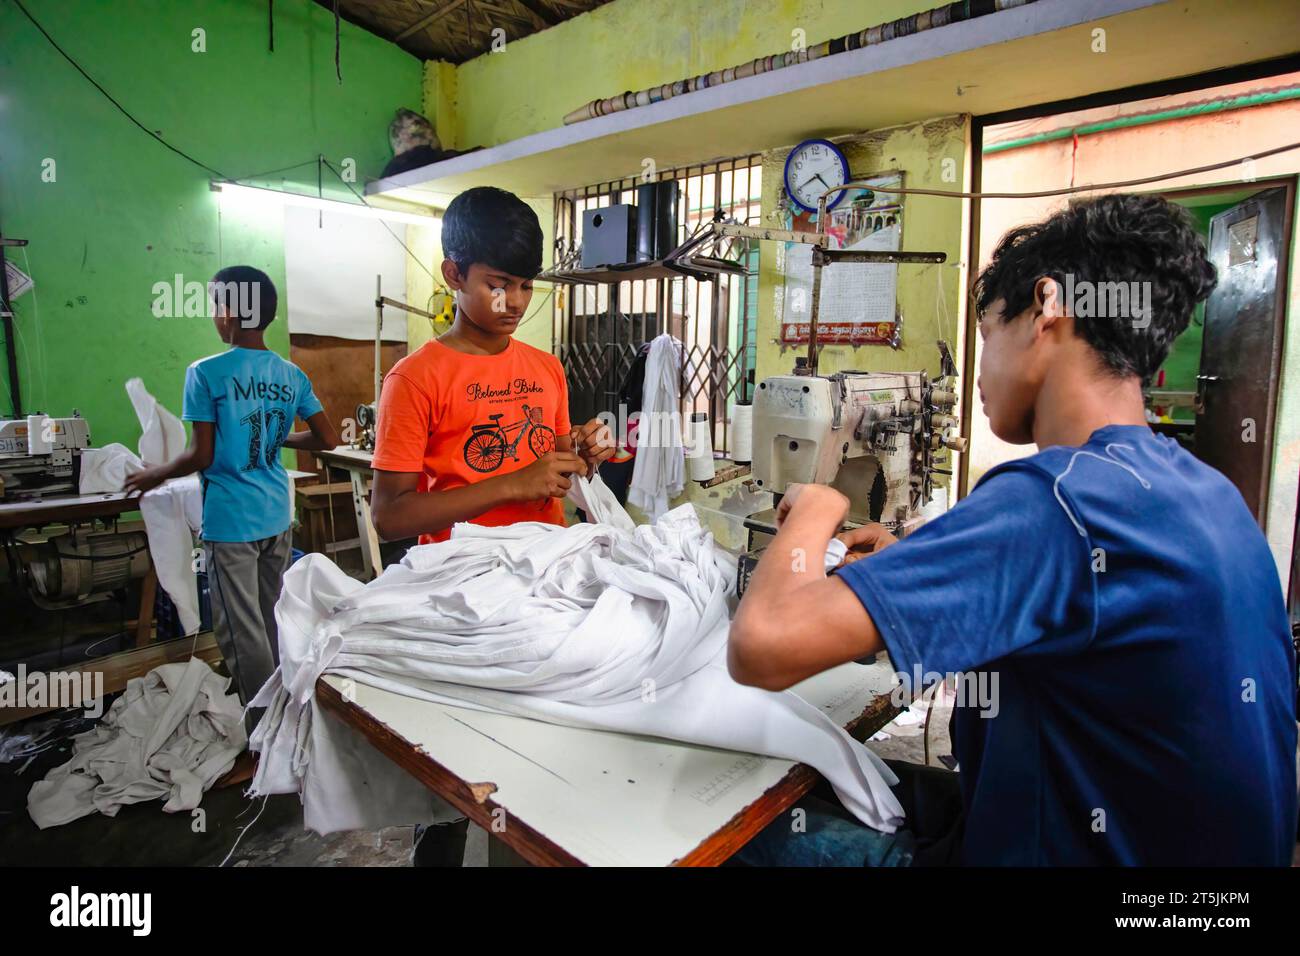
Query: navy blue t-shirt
[1117, 624]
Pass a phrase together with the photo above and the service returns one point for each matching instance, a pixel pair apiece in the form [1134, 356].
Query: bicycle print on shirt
[488, 444]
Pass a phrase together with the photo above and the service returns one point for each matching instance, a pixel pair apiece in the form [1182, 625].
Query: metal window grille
[599, 328]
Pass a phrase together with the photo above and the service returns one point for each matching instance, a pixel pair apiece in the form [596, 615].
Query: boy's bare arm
[794, 621]
[194, 458]
[321, 435]
[400, 510]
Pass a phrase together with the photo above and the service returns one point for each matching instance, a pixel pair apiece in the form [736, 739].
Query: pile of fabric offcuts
[170, 736]
[566, 625]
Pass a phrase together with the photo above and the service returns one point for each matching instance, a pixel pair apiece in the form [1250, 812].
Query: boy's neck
[465, 336]
[1077, 399]
[248, 339]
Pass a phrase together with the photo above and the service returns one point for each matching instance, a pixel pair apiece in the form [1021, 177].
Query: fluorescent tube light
[277, 197]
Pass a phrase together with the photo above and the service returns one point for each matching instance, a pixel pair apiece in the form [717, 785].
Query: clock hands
[815, 176]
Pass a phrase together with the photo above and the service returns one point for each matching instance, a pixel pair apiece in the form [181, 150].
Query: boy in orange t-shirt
[474, 426]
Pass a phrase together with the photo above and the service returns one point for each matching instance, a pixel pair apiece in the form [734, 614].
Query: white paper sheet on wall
[330, 263]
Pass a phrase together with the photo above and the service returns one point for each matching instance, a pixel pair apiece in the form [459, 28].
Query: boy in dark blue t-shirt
[1110, 605]
[241, 404]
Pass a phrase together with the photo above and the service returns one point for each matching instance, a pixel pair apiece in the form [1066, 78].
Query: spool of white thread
[742, 434]
[699, 461]
[37, 441]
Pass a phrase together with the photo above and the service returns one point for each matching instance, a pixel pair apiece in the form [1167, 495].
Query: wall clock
[813, 167]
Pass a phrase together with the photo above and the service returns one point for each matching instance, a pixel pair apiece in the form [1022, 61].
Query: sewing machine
[41, 456]
[876, 437]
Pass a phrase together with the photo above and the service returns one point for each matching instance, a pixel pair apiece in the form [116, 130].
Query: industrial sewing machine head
[41, 456]
[879, 438]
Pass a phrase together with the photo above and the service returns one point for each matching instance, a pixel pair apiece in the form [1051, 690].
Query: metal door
[1237, 384]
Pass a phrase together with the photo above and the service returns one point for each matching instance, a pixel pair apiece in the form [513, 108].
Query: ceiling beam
[425, 21]
[540, 16]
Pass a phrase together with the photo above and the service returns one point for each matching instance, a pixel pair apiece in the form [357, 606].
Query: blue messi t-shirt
[1117, 624]
[253, 396]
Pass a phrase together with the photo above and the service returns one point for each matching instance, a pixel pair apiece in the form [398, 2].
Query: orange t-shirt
[459, 418]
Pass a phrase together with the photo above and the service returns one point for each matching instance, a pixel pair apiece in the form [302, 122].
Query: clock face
[813, 167]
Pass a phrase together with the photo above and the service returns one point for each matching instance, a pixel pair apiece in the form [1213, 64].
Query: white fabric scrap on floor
[557, 624]
[170, 736]
[659, 469]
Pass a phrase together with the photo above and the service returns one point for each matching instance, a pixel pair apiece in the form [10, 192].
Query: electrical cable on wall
[109, 96]
[1068, 190]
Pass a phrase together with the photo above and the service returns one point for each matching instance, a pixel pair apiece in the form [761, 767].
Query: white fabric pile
[566, 625]
[170, 736]
[659, 469]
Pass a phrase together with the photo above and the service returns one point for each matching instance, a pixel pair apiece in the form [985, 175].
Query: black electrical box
[608, 236]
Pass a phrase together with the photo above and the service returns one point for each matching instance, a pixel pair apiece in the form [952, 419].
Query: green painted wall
[124, 212]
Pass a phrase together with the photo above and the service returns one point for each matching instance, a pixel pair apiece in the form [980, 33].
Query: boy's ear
[451, 275]
[1049, 302]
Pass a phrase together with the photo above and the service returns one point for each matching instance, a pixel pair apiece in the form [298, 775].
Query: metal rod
[406, 308]
[831, 256]
[6, 311]
[813, 313]
[379, 327]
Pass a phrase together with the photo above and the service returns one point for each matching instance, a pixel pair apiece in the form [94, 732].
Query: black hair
[494, 227]
[247, 294]
[1104, 244]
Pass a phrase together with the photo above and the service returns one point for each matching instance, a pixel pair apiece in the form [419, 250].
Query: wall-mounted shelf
[658, 269]
[938, 72]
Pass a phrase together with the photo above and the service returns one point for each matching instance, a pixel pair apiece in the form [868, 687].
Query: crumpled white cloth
[169, 736]
[173, 515]
[566, 625]
[162, 435]
[172, 512]
[659, 469]
[104, 470]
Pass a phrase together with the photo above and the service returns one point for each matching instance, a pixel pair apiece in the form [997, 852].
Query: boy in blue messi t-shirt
[1111, 598]
[241, 404]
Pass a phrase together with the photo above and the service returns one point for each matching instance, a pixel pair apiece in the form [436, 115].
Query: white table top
[343, 456]
[609, 799]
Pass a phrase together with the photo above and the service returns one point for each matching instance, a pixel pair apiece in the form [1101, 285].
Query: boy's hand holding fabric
[547, 477]
[594, 442]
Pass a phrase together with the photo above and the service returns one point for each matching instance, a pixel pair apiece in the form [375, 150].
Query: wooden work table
[64, 509]
[574, 797]
[357, 464]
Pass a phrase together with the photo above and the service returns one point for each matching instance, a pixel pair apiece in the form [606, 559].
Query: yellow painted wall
[628, 45]
[930, 224]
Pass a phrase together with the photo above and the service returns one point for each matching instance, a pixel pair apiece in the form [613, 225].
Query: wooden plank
[121, 667]
[148, 591]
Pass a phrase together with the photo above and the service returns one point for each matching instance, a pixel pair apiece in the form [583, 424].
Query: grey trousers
[244, 579]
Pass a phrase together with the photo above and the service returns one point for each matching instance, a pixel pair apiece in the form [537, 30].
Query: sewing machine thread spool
[699, 459]
[742, 433]
[38, 438]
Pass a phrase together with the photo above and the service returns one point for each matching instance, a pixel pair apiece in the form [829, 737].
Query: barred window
[599, 328]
